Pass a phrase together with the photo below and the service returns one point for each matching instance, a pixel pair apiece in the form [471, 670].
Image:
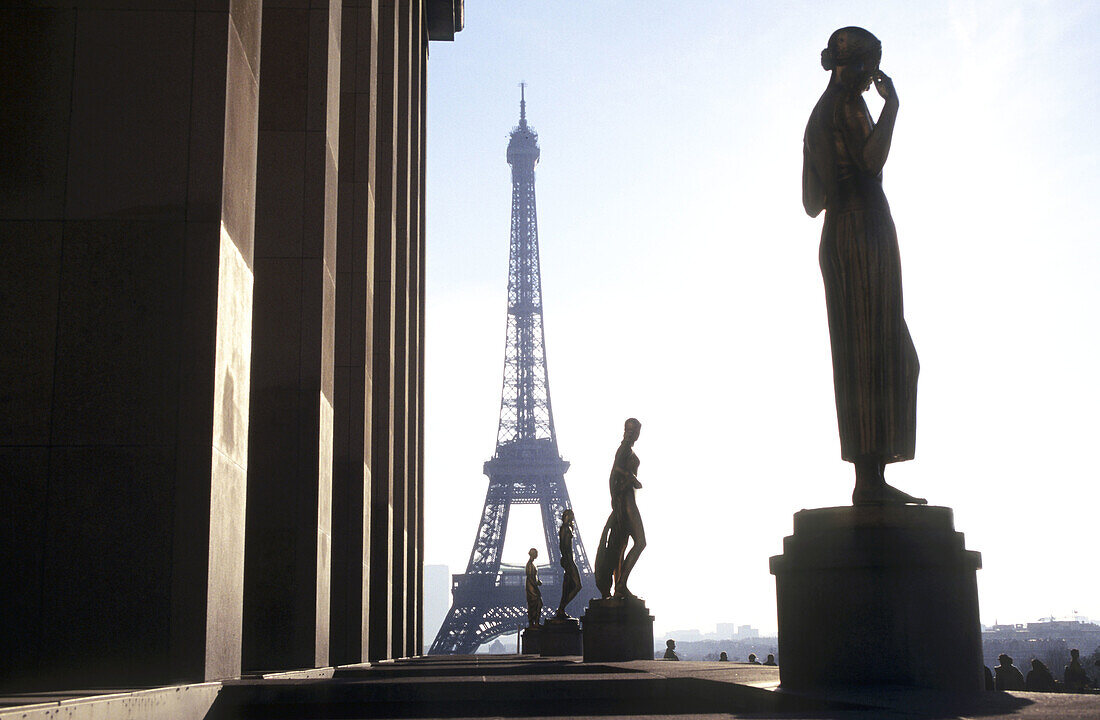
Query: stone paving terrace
[530, 687]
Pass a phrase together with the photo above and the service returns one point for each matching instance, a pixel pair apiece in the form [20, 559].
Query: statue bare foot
[884, 494]
[624, 592]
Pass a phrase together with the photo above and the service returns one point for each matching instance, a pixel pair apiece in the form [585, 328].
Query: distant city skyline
[681, 286]
[437, 599]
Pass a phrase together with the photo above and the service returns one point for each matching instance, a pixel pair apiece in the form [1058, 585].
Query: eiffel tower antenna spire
[522, 106]
[488, 599]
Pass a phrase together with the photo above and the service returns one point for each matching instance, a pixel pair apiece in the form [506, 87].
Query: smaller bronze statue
[624, 523]
[534, 595]
[571, 580]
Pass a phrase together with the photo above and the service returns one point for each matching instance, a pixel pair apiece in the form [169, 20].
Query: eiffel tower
[488, 600]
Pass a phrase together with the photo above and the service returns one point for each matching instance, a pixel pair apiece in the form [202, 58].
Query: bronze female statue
[625, 522]
[874, 362]
[534, 595]
[571, 579]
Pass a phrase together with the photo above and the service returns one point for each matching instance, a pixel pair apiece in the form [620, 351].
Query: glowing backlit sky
[681, 285]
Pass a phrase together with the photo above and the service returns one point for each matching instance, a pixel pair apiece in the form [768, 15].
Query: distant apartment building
[685, 635]
[1047, 640]
[437, 599]
[722, 631]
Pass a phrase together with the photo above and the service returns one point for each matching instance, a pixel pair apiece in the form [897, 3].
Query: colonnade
[212, 265]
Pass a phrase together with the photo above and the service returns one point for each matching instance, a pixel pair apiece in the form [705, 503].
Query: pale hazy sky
[681, 285]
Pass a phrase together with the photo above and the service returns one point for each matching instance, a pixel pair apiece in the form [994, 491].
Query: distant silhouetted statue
[534, 595]
[770, 660]
[874, 362]
[1039, 678]
[1077, 680]
[1008, 675]
[670, 650]
[571, 580]
[624, 523]
[723, 657]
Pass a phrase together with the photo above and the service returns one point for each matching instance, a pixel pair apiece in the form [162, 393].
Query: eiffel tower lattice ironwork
[488, 600]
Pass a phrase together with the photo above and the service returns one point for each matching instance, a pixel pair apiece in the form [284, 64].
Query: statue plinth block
[617, 629]
[878, 595]
[560, 637]
[531, 640]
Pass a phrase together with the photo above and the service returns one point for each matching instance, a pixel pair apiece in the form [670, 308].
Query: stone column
[126, 227]
[414, 567]
[382, 353]
[403, 308]
[287, 558]
[354, 324]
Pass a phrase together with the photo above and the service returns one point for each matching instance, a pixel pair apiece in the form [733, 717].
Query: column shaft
[383, 355]
[126, 227]
[402, 215]
[414, 567]
[354, 325]
[290, 440]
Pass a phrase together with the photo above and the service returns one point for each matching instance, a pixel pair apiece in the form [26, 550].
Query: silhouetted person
[771, 660]
[670, 650]
[1039, 678]
[753, 660]
[1076, 678]
[988, 678]
[723, 657]
[1009, 676]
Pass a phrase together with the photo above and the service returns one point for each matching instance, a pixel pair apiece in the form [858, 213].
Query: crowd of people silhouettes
[670, 654]
[1006, 676]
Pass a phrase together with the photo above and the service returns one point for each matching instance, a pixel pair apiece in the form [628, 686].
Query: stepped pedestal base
[878, 595]
[560, 637]
[617, 629]
[531, 640]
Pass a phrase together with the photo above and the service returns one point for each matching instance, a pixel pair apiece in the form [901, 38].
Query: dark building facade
[211, 336]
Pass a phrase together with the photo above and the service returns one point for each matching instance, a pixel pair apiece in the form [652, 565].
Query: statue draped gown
[875, 364]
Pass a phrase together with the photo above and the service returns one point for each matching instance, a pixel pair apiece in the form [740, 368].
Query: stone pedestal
[560, 637]
[531, 640]
[617, 629]
[878, 595]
